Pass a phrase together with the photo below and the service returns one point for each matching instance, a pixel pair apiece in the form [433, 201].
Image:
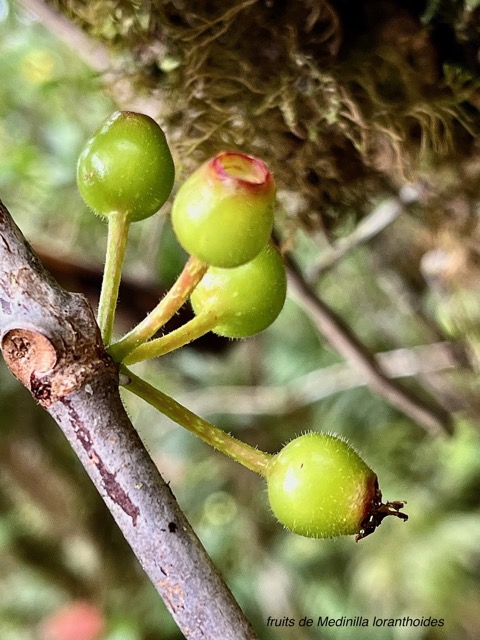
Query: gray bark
[51, 343]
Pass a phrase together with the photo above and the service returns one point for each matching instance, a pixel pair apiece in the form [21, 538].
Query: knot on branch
[49, 372]
[49, 337]
[28, 354]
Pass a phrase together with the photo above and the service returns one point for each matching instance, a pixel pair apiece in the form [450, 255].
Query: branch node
[27, 354]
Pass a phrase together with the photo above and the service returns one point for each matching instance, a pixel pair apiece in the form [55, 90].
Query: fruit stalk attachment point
[239, 451]
[235, 303]
[191, 275]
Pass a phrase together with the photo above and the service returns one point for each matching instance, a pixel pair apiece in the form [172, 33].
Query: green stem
[191, 330]
[191, 275]
[118, 226]
[248, 456]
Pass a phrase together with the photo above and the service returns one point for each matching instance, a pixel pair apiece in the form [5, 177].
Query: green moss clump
[343, 101]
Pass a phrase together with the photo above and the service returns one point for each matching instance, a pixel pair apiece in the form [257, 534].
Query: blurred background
[62, 560]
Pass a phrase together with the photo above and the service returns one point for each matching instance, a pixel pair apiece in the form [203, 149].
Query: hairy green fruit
[318, 486]
[223, 213]
[126, 166]
[245, 299]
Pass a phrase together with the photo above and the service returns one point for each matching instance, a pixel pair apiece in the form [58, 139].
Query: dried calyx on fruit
[377, 511]
[319, 487]
[223, 213]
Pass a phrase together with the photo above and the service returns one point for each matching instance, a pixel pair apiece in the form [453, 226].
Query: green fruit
[245, 299]
[318, 486]
[126, 166]
[223, 213]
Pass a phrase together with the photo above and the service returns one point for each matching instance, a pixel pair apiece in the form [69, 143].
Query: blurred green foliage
[57, 541]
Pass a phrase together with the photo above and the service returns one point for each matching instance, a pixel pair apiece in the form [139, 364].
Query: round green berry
[245, 299]
[223, 213]
[318, 486]
[126, 166]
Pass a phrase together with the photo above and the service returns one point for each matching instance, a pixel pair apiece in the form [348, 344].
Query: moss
[342, 100]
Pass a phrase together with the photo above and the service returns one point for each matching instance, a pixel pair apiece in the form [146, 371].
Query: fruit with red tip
[223, 213]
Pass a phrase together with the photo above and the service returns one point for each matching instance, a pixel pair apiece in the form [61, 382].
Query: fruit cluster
[222, 215]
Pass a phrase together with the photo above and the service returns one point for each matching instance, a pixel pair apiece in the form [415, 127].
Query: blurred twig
[91, 52]
[383, 215]
[318, 384]
[108, 65]
[429, 414]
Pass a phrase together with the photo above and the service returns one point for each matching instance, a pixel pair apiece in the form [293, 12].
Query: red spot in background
[75, 621]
